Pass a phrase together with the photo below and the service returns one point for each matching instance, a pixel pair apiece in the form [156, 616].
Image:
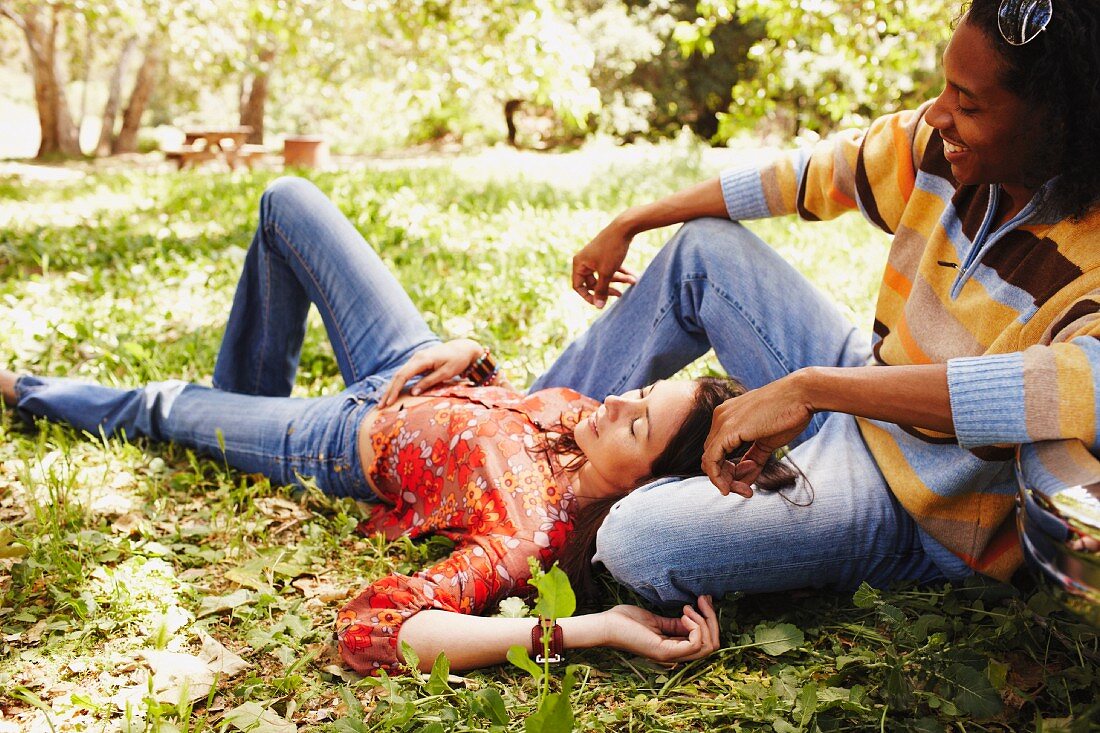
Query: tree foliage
[399, 71]
[828, 62]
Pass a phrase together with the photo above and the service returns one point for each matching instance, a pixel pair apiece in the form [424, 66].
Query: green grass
[115, 549]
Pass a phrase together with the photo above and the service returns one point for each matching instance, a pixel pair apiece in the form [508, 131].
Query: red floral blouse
[465, 465]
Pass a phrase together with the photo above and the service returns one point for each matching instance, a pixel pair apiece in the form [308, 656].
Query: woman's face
[990, 135]
[623, 437]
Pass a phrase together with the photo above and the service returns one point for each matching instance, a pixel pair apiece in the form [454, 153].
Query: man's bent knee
[629, 544]
[707, 242]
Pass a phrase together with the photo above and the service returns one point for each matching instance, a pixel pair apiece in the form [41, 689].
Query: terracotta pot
[305, 151]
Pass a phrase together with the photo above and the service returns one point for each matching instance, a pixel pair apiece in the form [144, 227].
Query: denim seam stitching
[257, 376]
[324, 297]
[803, 564]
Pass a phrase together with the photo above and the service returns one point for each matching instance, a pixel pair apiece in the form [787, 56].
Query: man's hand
[767, 418]
[691, 636]
[441, 362]
[600, 264]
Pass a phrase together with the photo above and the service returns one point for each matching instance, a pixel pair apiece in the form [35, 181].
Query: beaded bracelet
[483, 371]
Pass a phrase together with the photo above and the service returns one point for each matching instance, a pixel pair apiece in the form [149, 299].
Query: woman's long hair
[680, 459]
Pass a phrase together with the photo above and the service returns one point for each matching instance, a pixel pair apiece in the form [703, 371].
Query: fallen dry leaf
[254, 718]
[327, 592]
[281, 509]
[179, 677]
[220, 659]
[128, 524]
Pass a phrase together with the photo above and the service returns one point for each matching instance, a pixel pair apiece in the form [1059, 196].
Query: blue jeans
[304, 252]
[716, 285]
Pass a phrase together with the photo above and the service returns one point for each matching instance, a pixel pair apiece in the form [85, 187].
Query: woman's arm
[475, 641]
[771, 416]
[432, 612]
[599, 264]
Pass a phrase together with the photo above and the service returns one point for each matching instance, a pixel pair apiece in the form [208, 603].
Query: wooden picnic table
[218, 144]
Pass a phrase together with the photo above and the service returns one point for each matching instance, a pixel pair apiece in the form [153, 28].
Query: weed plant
[110, 551]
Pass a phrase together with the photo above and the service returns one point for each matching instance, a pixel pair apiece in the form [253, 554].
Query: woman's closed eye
[642, 393]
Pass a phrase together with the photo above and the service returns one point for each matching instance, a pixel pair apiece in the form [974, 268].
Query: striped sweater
[1014, 312]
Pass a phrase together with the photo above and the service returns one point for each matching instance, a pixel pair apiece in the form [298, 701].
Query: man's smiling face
[990, 134]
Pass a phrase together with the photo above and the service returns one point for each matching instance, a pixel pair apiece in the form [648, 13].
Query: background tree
[144, 85]
[393, 72]
[42, 25]
[828, 62]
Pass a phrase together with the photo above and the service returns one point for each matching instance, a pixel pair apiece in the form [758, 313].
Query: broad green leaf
[269, 564]
[9, 550]
[898, 687]
[8, 546]
[437, 683]
[556, 599]
[865, 596]
[927, 725]
[569, 680]
[435, 727]
[555, 714]
[518, 656]
[973, 693]
[997, 672]
[349, 725]
[924, 625]
[412, 660]
[492, 706]
[135, 350]
[807, 702]
[352, 702]
[891, 613]
[217, 604]
[778, 639]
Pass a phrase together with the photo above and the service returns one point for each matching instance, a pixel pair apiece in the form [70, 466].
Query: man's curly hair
[1058, 71]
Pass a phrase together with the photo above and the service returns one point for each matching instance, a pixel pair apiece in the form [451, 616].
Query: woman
[502, 474]
[985, 336]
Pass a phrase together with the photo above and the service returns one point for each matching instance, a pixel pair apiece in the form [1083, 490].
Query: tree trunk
[510, 108]
[59, 134]
[252, 110]
[89, 53]
[126, 142]
[114, 96]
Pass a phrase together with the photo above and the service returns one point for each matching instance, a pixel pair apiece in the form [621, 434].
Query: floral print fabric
[465, 465]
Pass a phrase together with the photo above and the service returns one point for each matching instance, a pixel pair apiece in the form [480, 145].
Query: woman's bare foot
[7, 386]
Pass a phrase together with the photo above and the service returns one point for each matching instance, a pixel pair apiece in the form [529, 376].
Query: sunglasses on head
[1019, 21]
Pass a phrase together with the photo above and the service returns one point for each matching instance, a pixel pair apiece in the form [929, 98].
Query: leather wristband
[481, 372]
[557, 642]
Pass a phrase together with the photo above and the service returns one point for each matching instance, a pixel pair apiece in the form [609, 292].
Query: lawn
[118, 560]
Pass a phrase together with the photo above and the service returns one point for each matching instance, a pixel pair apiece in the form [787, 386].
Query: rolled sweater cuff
[987, 399]
[743, 193]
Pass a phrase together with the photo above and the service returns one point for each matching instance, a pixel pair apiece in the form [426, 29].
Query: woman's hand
[691, 636]
[438, 363]
[600, 263]
[768, 418]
